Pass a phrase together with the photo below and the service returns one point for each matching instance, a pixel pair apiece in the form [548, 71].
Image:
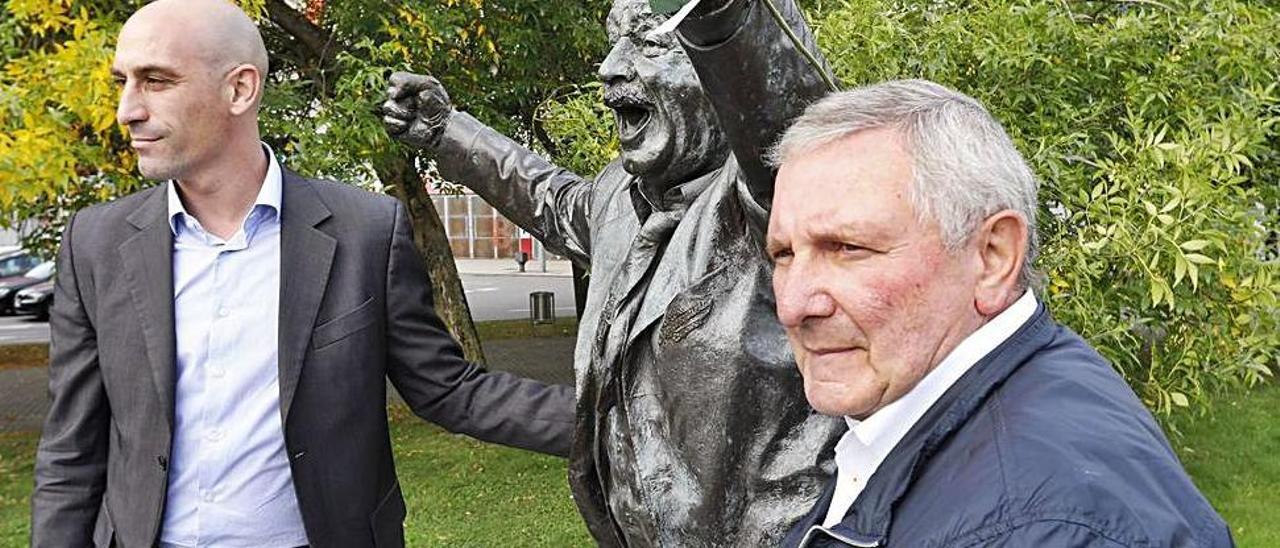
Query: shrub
[1153, 127]
[582, 129]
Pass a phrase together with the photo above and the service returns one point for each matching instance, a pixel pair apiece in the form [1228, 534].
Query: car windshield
[45, 270]
[16, 265]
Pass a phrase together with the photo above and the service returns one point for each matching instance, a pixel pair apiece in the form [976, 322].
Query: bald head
[214, 31]
[190, 74]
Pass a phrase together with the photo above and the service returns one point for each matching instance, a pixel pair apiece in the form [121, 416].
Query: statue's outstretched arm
[756, 78]
[551, 203]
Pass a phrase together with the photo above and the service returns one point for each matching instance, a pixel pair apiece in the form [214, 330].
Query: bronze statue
[692, 425]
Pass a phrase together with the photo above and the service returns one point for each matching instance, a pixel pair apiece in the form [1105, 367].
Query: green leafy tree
[59, 147]
[496, 58]
[1153, 127]
[61, 150]
[580, 129]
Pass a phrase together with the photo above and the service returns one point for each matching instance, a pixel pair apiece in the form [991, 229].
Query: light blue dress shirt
[229, 478]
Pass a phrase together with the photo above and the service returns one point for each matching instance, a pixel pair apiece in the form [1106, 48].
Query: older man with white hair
[906, 292]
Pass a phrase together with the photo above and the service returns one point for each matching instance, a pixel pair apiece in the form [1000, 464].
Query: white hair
[964, 166]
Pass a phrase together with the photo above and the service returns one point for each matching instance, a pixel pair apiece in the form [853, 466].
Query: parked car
[11, 285]
[14, 261]
[36, 300]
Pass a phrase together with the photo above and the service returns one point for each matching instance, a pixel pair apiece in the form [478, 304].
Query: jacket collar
[306, 254]
[145, 259]
[870, 519]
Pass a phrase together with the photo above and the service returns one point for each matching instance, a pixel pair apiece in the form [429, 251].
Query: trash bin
[542, 307]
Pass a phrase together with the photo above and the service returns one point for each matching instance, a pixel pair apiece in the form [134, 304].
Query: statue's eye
[653, 46]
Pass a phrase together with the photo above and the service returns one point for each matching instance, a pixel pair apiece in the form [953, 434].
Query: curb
[519, 274]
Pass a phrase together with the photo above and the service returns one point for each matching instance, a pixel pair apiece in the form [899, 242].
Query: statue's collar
[680, 196]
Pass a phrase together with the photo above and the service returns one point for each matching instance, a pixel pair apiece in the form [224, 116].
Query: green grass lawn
[494, 330]
[17, 456]
[1234, 457]
[464, 493]
[459, 492]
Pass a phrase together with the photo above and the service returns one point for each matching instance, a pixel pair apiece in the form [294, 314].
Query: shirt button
[208, 496]
[218, 372]
[215, 434]
[223, 312]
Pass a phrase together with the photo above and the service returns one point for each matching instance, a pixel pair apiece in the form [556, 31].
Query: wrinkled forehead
[629, 17]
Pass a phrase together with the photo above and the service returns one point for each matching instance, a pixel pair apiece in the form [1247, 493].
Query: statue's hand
[416, 110]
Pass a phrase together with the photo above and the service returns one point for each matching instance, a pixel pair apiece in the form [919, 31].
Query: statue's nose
[617, 66]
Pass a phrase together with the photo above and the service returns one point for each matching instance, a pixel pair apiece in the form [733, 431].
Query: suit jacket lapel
[306, 254]
[147, 261]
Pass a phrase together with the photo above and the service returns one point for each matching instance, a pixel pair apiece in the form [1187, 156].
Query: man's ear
[244, 85]
[1002, 247]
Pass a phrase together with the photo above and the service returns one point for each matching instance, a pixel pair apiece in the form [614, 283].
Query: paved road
[507, 297]
[24, 329]
[492, 297]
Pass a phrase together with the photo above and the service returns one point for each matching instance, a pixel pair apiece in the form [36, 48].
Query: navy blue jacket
[1041, 443]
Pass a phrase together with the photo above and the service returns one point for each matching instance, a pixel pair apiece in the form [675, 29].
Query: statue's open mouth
[632, 111]
[631, 122]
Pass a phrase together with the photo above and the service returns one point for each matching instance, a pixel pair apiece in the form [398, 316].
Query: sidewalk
[508, 267]
[25, 400]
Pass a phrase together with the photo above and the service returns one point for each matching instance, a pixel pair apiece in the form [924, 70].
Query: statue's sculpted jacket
[692, 428]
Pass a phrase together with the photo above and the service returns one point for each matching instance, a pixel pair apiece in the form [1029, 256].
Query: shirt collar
[886, 427]
[686, 193]
[269, 195]
[680, 196]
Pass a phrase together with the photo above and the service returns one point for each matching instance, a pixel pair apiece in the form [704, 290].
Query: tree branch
[318, 41]
[540, 133]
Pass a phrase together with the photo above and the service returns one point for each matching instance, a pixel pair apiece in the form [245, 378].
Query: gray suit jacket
[356, 309]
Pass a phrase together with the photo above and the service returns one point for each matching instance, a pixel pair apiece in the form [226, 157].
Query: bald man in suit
[221, 342]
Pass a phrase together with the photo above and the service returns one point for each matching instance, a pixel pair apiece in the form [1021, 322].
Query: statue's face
[666, 126]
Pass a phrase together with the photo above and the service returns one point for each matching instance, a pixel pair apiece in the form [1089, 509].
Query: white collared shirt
[229, 478]
[866, 444]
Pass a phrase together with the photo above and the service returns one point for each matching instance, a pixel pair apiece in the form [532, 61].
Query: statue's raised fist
[416, 110]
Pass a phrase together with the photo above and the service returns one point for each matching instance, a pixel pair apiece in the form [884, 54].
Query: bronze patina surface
[692, 425]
